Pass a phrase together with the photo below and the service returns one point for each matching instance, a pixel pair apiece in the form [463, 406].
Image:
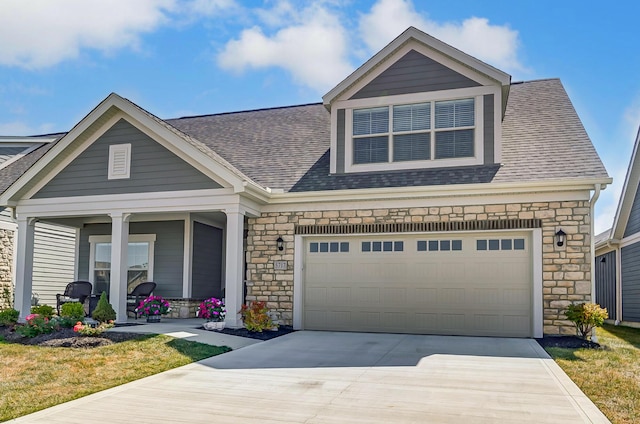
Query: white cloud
[313, 48]
[20, 128]
[607, 204]
[494, 44]
[41, 33]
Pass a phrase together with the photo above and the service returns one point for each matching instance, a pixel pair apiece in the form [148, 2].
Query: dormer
[418, 103]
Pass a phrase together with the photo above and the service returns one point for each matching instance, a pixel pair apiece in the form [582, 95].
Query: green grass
[33, 378]
[610, 376]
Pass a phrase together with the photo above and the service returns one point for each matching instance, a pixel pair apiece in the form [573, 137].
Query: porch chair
[139, 293]
[78, 291]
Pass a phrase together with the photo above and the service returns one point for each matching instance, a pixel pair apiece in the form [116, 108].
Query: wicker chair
[78, 291]
[139, 293]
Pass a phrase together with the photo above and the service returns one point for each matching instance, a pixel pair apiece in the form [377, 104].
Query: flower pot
[153, 318]
[213, 325]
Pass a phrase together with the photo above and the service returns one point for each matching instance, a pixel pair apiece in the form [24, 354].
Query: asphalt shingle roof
[288, 148]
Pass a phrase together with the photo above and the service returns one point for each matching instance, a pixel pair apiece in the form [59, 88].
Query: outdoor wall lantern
[560, 236]
[280, 244]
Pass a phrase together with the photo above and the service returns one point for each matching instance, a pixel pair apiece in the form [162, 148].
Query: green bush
[9, 317]
[35, 325]
[256, 317]
[43, 310]
[104, 311]
[73, 310]
[92, 331]
[586, 316]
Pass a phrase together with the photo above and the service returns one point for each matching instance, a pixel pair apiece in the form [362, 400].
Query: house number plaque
[280, 265]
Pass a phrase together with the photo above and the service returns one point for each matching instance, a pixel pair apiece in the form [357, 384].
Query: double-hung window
[140, 252]
[414, 132]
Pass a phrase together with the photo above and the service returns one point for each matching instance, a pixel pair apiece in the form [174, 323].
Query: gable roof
[287, 148]
[184, 145]
[412, 34]
[628, 195]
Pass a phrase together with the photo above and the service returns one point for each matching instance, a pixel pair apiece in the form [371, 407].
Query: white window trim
[113, 150]
[133, 238]
[477, 159]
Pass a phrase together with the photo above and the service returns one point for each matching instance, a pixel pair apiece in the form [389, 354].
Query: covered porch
[192, 246]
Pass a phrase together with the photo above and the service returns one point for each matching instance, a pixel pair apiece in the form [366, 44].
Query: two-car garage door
[457, 284]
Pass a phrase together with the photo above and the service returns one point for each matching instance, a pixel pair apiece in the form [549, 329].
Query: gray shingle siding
[153, 168]
[633, 224]
[168, 252]
[489, 130]
[414, 73]
[340, 148]
[206, 275]
[630, 264]
[605, 273]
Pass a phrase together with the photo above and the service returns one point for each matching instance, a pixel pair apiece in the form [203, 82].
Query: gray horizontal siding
[53, 260]
[414, 73]
[206, 277]
[606, 282]
[633, 225]
[153, 168]
[168, 252]
[630, 263]
[340, 141]
[488, 129]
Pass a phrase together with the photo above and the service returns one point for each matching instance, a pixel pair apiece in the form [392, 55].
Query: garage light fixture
[560, 237]
[280, 244]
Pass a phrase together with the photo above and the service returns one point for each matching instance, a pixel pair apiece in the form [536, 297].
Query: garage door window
[382, 246]
[500, 244]
[439, 245]
[329, 247]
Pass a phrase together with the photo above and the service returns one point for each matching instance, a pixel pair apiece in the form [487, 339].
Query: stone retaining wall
[566, 270]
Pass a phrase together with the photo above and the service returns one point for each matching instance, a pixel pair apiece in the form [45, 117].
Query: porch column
[118, 281]
[234, 268]
[24, 266]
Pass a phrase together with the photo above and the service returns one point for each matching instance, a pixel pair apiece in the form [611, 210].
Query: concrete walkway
[326, 377]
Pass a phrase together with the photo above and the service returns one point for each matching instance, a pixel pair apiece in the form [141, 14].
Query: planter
[213, 325]
[153, 318]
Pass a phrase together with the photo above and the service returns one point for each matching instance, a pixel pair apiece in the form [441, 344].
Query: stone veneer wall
[182, 307]
[6, 267]
[566, 271]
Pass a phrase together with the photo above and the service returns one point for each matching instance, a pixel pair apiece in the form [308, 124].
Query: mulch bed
[265, 335]
[67, 338]
[568, 342]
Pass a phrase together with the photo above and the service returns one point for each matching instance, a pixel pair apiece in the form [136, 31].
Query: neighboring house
[617, 264]
[423, 195]
[54, 247]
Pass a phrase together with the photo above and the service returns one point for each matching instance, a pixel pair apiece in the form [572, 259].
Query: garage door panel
[465, 292]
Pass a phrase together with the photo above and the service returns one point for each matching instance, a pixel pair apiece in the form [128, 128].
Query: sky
[174, 58]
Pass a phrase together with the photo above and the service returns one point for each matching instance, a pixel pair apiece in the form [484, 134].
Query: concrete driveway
[327, 377]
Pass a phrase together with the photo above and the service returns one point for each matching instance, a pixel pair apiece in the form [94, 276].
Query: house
[427, 193]
[618, 253]
[54, 246]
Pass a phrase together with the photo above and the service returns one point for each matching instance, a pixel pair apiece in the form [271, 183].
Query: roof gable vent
[119, 161]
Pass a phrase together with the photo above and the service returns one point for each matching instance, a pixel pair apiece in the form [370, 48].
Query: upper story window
[414, 132]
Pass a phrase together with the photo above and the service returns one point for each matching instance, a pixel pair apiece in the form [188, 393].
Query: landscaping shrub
[586, 316]
[256, 317]
[9, 317]
[73, 310]
[35, 325]
[42, 310]
[87, 330]
[104, 311]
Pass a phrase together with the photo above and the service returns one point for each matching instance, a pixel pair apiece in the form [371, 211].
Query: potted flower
[213, 311]
[153, 307]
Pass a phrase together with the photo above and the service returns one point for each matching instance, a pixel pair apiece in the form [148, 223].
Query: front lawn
[609, 376]
[34, 377]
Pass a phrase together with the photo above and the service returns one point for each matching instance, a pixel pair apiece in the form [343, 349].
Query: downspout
[592, 203]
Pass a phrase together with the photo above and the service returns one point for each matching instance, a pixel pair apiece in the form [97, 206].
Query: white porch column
[118, 282]
[24, 266]
[234, 267]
